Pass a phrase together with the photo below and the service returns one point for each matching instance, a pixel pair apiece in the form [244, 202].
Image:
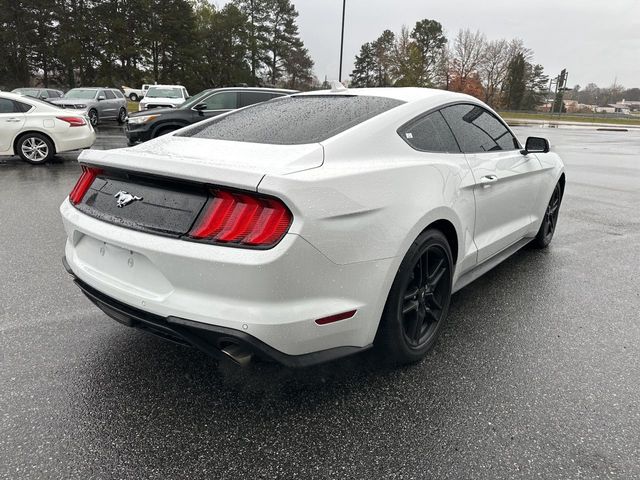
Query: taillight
[242, 218]
[87, 177]
[74, 121]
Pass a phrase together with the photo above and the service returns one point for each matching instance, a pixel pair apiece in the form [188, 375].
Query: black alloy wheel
[93, 117]
[418, 301]
[550, 220]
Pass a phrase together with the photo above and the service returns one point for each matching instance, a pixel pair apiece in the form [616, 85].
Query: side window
[118, 93]
[477, 130]
[110, 95]
[185, 94]
[222, 101]
[430, 133]
[44, 94]
[53, 94]
[23, 107]
[250, 98]
[8, 106]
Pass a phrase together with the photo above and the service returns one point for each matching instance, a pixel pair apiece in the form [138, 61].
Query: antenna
[336, 86]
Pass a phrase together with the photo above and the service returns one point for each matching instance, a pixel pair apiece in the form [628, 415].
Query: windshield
[195, 99]
[164, 92]
[31, 92]
[82, 93]
[293, 120]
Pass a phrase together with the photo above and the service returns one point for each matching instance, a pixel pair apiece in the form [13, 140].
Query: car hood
[221, 162]
[161, 99]
[70, 101]
[156, 111]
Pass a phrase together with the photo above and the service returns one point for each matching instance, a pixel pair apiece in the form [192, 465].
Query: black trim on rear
[207, 338]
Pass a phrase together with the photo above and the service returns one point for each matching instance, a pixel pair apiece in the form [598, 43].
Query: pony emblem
[125, 198]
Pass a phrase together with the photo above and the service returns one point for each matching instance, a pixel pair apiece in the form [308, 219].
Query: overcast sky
[596, 40]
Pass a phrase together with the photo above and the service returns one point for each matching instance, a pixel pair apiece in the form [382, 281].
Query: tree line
[500, 72]
[70, 43]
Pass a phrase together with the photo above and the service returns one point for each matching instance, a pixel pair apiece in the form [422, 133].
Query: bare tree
[467, 54]
[493, 69]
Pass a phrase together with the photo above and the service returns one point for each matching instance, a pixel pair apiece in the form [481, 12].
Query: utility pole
[344, 6]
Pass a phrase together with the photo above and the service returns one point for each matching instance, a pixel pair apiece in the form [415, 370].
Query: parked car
[98, 103]
[163, 96]
[36, 130]
[143, 126]
[135, 94]
[45, 94]
[312, 226]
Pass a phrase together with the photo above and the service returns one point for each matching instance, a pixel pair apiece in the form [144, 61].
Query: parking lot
[536, 374]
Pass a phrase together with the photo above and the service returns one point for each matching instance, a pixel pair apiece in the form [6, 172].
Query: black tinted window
[118, 94]
[293, 120]
[249, 98]
[222, 101]
[110, 95]
[54, 94]
[477, 130]
[8, 106]
[431, 134]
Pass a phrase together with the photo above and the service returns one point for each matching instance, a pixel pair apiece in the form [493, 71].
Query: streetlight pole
[344, 6]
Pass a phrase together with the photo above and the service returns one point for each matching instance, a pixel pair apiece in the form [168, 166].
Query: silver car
[97, 103]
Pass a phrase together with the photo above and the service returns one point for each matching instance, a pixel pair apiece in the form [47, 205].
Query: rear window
[293, 120]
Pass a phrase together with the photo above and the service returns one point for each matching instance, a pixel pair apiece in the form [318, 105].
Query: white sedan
[36, 130]
[310, 227]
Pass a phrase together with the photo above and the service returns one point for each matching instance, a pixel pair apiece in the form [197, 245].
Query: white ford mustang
[36, 130]
[309, 227]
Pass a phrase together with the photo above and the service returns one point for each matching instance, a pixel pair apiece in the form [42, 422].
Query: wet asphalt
[536, 375]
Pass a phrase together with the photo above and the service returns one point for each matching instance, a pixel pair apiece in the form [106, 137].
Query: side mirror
[536, 145]
[200, 107]
[101, 97]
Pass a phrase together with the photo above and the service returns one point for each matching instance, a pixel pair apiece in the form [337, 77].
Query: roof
[405, 94]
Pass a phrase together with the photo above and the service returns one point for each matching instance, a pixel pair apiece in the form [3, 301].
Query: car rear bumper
[208, 338]
[272, 296]
[76, 138]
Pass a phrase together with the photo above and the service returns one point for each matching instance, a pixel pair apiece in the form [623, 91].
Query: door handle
[12, 120]
[487, 180]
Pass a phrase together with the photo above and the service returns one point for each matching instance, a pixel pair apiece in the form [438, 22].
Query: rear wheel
[35, 148]
[122, 115]
[419, 299]
[133, 97]
[550, 220]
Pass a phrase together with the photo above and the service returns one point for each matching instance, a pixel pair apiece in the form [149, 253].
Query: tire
[93, 117]
[549, 222]
[418, 302]
[35, 148]
[163, 131]
[133, 97]
[122, 115]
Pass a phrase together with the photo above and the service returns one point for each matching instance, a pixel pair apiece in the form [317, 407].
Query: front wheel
[550, 220]
[35, 148]
[419, 299]
[93, 117]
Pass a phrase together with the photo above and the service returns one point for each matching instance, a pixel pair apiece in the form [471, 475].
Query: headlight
[80, 106]
[142, 119]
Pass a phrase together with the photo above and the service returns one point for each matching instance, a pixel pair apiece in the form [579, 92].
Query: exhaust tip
[237, 354]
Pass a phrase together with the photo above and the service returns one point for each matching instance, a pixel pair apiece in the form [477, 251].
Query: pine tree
[515, 83]
[430, 41]
[364, 70]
